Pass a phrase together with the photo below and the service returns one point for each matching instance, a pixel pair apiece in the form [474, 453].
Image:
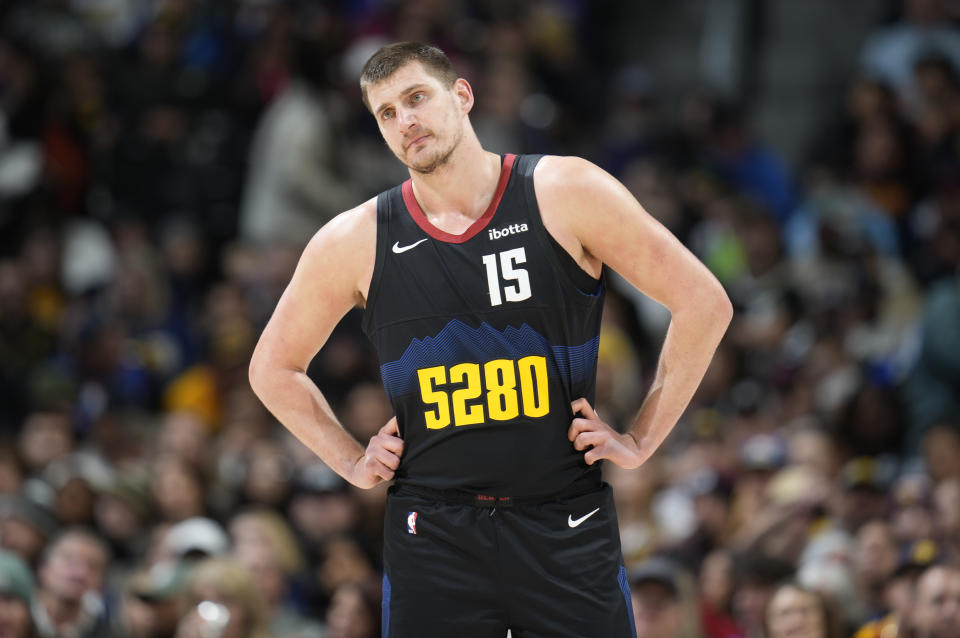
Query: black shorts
[541, 570]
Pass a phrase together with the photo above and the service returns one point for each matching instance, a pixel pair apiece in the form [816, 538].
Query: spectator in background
[864, 483]
[16, 597]
[194, 539]
[69, 602]
[25, 527]
[264, 544]
[794, 610]
[710, 495]
[633, 495]
[224, 582]
[46, 437]
[184, 435]
[890, 53]
[936, 611]
[900, 591]
[294, 184]
[121, 512]
[911, 505]
[12, 472]
[127, 315]
[716, 593]
[946, 517]
[941, 452]
[73, 481]
[933, 390]
[177, 489]
[875, 558]
[268, 476]
[354, 612]
[756, 170]
[320, 507]
[659, 602]
[151, 602]
[756, 580]
[344, 561]
[937, 81]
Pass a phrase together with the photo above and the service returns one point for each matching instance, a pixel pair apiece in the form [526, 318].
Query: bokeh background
[163, 162]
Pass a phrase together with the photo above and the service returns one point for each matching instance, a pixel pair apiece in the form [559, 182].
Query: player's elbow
[716, 308]
[258, 372]
[723, 307]
[706, 313]
[255, 376]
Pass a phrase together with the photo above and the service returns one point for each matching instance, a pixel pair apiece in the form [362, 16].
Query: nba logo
[412, 523]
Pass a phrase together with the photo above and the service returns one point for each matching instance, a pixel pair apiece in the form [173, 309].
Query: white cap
[196, 534]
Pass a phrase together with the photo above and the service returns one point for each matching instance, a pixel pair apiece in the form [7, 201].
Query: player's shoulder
[569, 176]
[350, 236]
[570, 183]
[344, 249]
[357, 225]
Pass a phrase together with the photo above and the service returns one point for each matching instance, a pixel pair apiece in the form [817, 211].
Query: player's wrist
[357, 475]
[636, 450]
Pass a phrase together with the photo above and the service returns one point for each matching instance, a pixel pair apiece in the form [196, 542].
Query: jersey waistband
[463, 497]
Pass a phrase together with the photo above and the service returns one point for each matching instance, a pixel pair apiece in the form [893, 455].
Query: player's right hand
[381, 458]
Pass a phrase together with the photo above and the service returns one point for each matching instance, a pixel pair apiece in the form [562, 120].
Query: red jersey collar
[413, 207]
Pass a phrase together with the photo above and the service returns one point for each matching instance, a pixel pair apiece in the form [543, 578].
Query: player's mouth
[416, 140]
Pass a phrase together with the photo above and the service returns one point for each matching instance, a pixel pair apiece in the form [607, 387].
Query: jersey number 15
[508, 259]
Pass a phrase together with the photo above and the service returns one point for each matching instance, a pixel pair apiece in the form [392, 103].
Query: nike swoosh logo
[397, 248]
[574, 523]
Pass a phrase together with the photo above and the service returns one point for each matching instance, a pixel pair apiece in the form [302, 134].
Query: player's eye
[386, 114]
[417, 97]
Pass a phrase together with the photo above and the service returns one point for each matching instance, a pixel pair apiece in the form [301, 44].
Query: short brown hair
[391, 57]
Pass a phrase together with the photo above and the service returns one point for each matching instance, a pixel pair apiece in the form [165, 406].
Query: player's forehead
[412, 74]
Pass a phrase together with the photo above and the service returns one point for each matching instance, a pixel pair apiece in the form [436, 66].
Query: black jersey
[484, 340]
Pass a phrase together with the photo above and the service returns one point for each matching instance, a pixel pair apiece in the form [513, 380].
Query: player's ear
[464, 94]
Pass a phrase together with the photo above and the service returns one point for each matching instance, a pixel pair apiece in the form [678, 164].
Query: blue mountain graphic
[457, 342]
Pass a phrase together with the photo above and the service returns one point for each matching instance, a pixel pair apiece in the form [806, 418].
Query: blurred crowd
[162, 163]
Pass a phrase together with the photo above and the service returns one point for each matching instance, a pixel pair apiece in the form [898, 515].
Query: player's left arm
[599, 222]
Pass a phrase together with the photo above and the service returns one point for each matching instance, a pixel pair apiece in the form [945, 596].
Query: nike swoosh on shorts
[574, 523]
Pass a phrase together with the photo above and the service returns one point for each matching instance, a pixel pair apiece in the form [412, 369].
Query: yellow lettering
[440, 417]
[533, 386]
[463, 414]
[501, 381]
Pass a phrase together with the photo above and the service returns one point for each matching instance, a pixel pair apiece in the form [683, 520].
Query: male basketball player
[480, 283]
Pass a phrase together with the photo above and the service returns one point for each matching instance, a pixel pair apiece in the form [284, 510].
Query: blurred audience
[794, 610]
[16, 597]
[222, 599]
[71, 578]
[161, 167]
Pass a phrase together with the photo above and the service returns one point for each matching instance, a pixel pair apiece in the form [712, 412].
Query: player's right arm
[332, 276]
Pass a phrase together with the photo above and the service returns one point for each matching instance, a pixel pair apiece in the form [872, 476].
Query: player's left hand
[600, 441]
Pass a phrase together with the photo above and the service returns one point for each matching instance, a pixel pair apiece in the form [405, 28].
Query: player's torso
[484, 339]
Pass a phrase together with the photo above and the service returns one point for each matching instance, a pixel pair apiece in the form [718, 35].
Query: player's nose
[407, 119]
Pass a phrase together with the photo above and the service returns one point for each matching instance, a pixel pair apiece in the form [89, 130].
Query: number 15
[508, 259]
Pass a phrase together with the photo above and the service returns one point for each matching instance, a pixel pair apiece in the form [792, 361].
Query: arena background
[162, 163]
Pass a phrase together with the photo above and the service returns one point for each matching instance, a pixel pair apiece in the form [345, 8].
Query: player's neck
[461, 189]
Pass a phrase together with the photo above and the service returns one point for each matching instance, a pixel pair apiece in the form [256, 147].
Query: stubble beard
[440, 158]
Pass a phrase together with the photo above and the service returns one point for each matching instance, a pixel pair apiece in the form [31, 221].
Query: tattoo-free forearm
[299, 405]
[691, 340]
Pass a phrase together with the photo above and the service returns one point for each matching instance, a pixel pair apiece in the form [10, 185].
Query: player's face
[419, 117]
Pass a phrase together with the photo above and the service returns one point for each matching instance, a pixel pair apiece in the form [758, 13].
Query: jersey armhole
[383, 221]
[562, 260]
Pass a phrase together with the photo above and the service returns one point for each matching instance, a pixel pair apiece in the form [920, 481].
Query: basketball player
[481, 288]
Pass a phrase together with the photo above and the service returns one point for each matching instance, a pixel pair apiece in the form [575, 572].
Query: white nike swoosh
[575, 523]
[397, 248]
